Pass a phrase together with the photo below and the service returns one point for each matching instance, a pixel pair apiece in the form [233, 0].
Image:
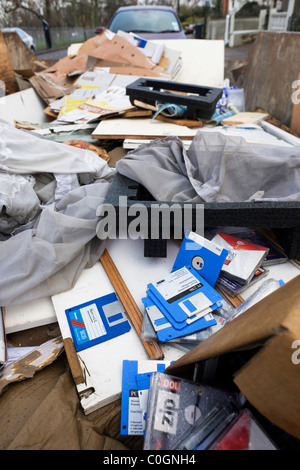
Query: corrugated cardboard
[117, 49]
[59, 71]
[270, 380]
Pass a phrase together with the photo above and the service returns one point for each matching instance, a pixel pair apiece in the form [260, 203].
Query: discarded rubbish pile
[175, 351]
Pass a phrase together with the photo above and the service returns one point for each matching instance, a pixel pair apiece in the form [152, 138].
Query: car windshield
[149, 21]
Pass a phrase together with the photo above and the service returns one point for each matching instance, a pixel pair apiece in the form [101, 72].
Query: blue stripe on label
[188, 304]
[114, 318]
[160, 321]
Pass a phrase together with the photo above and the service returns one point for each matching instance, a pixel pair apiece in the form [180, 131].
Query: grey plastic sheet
[49, 196]
[215, 168]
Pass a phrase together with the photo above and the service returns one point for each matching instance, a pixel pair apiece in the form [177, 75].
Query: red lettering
[170, 384]
[158, 445]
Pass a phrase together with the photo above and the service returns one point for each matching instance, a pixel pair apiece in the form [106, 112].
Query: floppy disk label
[87, 323]
[179, 284]
[198, 303]
[96, 321]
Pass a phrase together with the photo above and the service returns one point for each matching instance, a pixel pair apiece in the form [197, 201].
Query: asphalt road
[231, 53]
[53, 54]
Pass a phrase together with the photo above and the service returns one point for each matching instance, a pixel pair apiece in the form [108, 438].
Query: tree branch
[18, 5]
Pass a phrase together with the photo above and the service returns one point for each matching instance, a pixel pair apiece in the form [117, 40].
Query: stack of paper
[96, 94]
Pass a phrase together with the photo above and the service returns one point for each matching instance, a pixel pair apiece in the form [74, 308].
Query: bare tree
[72, 13]
[10, 7]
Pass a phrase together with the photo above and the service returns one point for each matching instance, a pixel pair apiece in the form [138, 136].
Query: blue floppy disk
[165, 331]
[97, 321]
[184, 296]
[203, 255]
[135, 378]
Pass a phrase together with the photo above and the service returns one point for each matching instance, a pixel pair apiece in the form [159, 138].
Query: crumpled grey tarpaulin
[49, 196]
[215, 168]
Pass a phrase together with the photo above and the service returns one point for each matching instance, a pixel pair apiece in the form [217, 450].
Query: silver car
[26, 38]
[150, 22]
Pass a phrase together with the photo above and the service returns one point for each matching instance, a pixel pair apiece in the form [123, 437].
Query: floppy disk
[184, 295]
[135, 384]
[165, 331]
[182, 324]
[96, 321]
[203, 255]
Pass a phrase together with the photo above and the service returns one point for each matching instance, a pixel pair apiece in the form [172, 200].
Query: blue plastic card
[96, 321]
[203, 255]
[165, 331]
[184, 296]
[135, 381]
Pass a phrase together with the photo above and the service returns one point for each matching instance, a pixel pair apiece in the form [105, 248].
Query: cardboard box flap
[63, 67]
[48, 90]
[265, 319]
[116, 49]
[271, 382]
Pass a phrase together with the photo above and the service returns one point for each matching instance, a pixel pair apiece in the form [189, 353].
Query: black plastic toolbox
[200, 100]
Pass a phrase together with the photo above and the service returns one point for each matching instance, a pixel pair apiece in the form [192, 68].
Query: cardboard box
[270, 380]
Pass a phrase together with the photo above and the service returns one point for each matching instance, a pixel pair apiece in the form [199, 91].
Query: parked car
[190, 29]
[26, 38]
[150, 22]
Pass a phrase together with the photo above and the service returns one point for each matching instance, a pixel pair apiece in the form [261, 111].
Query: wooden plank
[244, 118]
[21, 57]
[152, 348]
[73, 360]
[141, 128]
[7, 74]
[180, 122]
[234, 301]
[27, 315]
